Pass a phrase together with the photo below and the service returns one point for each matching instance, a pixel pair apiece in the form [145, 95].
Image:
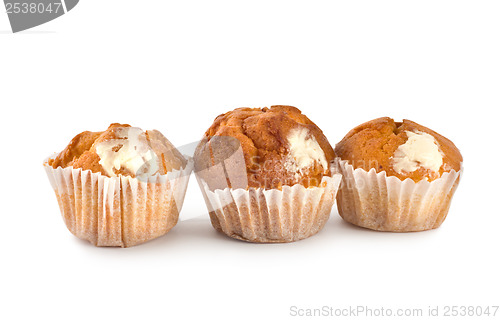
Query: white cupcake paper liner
[259, 215]
[118, 211]
[376, 201]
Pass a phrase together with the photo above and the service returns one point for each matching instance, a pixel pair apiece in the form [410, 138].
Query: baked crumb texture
[81, 151]
[122, 210]
[253, 147]
[374, 143]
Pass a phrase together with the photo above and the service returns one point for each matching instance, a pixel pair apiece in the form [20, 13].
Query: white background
[174, 66]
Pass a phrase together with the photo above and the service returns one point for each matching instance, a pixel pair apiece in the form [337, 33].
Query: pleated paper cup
[118, 211]
[375, 201]
[259, 215]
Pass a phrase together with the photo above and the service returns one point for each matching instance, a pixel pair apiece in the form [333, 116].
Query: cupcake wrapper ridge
[258, 215]
[375, 201]
[118, 211]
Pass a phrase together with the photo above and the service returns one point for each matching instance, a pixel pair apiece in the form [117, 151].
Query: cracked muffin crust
[121, 150]
[280, 146]
[402, 149]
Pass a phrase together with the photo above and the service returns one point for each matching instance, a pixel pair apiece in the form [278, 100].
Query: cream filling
[304, 151]
[131, 152]
[421, 150]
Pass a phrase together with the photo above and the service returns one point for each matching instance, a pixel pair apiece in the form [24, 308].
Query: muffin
[398, 176]
[266, 174]
[120, 187]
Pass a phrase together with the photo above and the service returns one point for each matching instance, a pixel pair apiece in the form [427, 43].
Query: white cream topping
[305, 151]
[131, 152]
[420, 150]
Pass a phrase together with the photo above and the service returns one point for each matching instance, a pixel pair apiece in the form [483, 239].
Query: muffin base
[375, 201]
[267, 216]
[118, 211]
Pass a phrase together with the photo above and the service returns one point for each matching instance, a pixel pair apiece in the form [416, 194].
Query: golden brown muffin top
[280, 146]
[402, 149]
[121, 150]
